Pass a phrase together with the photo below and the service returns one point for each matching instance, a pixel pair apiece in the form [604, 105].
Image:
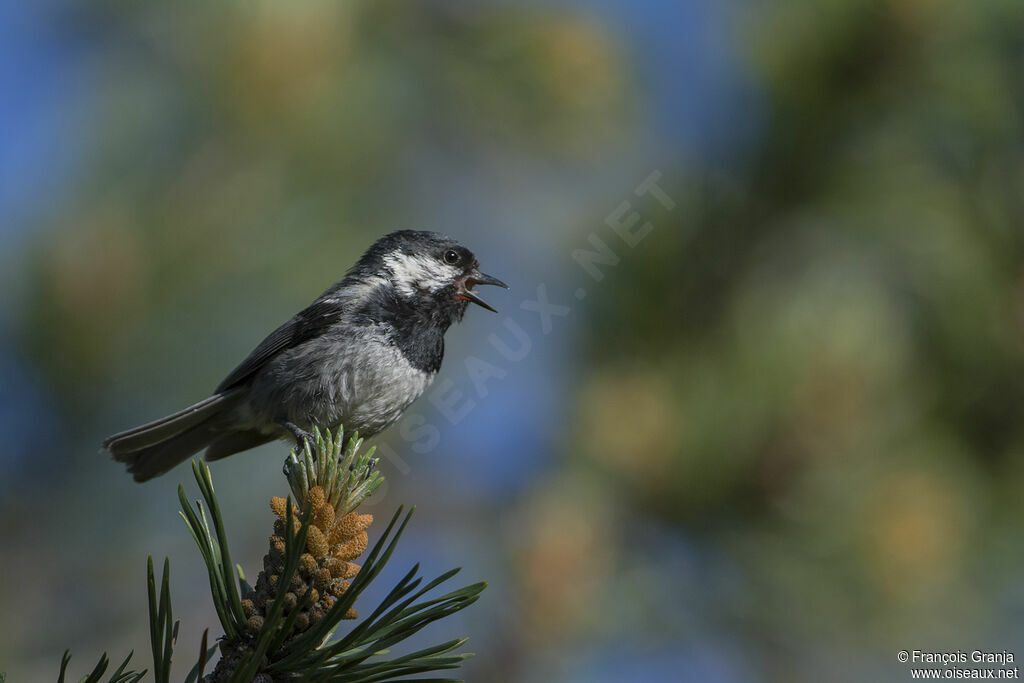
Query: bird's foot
[303, 439]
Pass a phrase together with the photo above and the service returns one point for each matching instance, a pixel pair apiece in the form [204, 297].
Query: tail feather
[159, 458]
[157, 431]
[235, 442]
[154, 448]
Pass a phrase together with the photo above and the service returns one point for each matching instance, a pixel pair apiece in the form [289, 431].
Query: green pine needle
[96, 675]
[347, 477]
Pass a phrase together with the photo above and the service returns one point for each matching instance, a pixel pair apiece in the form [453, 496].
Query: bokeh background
[780, 440]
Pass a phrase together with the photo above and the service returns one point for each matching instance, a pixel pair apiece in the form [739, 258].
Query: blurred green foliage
[232, 160]
[796, 434]
[240, 142]
[816, 362]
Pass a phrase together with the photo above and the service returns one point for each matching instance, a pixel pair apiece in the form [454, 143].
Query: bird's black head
[430, 272]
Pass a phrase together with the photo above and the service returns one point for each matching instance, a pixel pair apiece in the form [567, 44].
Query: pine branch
[96, 675]
[304, 592]
[281, 628]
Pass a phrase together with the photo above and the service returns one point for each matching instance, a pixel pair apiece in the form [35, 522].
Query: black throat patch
[416, 325]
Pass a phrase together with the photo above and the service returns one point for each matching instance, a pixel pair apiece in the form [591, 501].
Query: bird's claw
[303, 439]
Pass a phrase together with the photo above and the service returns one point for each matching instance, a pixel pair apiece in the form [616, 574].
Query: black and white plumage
[358, 356]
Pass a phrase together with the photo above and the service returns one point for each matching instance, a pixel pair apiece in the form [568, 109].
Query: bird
[357, 357]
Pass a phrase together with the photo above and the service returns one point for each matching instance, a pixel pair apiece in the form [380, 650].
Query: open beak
[477, 278]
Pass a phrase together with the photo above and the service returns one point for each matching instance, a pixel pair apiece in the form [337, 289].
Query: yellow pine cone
[348, 526]
[324, 569]
[279, 505]
[316, 543]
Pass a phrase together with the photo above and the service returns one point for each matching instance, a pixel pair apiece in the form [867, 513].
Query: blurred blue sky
[41, 79]
[696, 104]
[696, 98]
[696, 107]
[779, 439]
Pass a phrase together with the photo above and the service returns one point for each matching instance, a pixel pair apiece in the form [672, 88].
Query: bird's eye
[451, 257]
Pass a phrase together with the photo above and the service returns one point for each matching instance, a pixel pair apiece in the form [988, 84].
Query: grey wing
[305, 325]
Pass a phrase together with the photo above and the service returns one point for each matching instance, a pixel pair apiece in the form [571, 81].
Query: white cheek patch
[413, 272]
